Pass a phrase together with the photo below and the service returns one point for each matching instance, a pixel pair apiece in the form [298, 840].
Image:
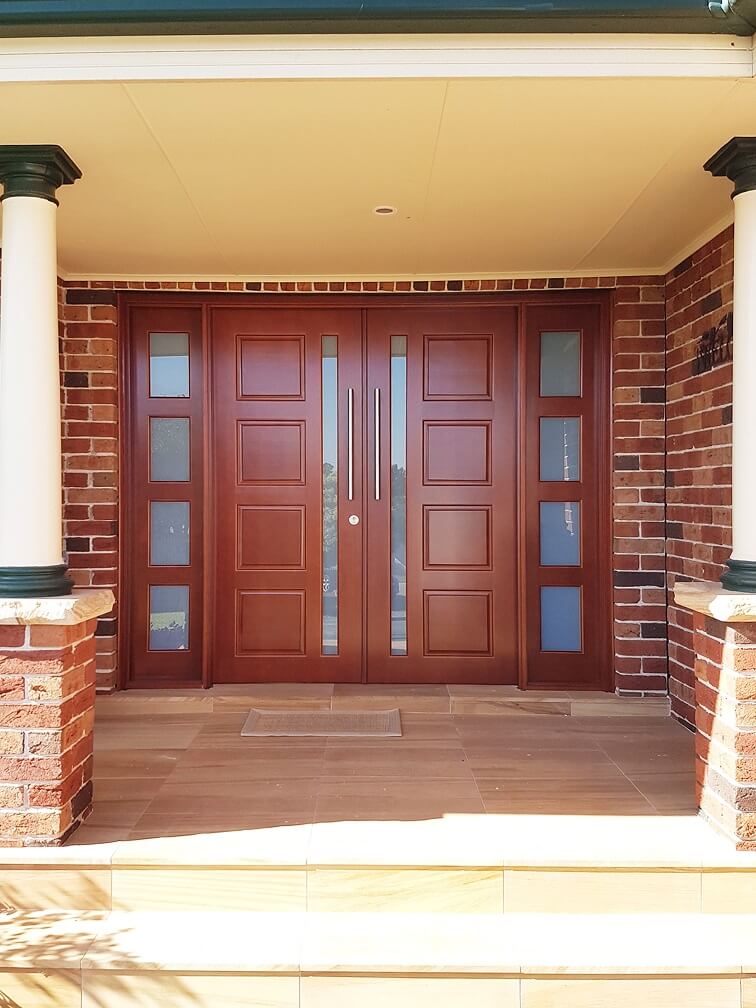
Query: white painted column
[744, 380]
[30, 431]
[31, 520]
[737, 160]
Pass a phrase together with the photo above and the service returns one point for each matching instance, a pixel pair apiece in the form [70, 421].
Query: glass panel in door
[330, 516]
[398, 495]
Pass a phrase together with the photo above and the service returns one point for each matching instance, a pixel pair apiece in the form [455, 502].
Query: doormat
[323, 723]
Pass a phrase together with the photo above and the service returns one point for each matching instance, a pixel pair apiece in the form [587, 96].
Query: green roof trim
[80, 17]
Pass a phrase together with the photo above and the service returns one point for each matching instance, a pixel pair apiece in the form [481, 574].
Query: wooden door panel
[492, 510]
[457, 537]
[566, 596]
[165, 641]
[269, 478]
[460, 582]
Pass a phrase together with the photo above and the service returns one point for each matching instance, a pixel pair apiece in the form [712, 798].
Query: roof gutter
[130, 17]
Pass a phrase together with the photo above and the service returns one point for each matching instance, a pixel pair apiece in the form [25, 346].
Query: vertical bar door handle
[377, 401]
[350, 445]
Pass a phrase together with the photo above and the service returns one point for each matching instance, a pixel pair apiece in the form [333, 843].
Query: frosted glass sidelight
[560, 534]
[330, 502]
[560, 364]
[169, 533]
[169, 617]
[559, 449]
[169, 365]
[561, 619]
[169, 450]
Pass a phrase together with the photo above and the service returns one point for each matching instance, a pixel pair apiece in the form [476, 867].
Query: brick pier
[47, 693]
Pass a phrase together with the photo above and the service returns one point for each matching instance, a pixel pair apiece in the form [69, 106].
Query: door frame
[127, 301]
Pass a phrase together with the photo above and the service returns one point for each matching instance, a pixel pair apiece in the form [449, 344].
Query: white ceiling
[279, 178]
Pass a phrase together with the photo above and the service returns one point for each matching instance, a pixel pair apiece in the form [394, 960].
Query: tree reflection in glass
[398, 495]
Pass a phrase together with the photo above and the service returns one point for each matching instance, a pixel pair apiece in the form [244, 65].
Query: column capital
[736, 160]
[35, 170]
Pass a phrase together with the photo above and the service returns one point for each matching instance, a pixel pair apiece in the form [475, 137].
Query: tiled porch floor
[180, 767]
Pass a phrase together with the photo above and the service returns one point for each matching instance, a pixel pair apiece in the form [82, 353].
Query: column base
[740, 576]
[35, 582]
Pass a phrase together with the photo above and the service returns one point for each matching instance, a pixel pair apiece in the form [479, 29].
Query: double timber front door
[385, 492]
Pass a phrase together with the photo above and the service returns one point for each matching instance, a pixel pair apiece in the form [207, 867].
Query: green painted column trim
[740, 576]
[736, 160]
[34, 582]
[35, 170]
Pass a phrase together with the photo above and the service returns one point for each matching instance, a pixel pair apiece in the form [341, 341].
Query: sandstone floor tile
[413, 992]
[35, 989]
[626, 944]
[286, 845]
[417, 699]
[457, 840]
[208, 766]
[510, 708]
[584, 797]
[126, 788]
[424, 761]
[695, 992]
[185, 820]
[731, 892]
[669, 793]
[48, 939]
[599, 892]
[651, 755]
[117, 813]
[549, 764]
[395, 890]
[198, 942]
[145, 735]
[187, 990]
[55, 888]
[192, 889]
[394, 798]
[146, 764]
[409, 943]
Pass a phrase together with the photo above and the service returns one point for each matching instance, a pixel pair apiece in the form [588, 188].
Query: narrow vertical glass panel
[169, 450]
[169, 365]
[169, 533]
[560, 534]
[398, 495]
[560, 449]
[561, 628]
[560, 364]
[169, 617]
[330, 421]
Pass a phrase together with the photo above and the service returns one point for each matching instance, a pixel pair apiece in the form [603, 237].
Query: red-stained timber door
[412, 492]
[442, 495]
[287, 448]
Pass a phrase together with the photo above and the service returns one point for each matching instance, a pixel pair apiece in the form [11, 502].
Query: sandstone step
[192, 960]
[421, 699]
[462, 864]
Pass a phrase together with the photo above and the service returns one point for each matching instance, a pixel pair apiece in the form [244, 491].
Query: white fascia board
[339, 57]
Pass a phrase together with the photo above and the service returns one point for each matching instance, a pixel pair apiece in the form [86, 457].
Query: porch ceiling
[280, 178]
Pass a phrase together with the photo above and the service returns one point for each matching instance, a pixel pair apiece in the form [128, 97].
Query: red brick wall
[89, 365]
[640, 630]
[89, 347]
[699, 438]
